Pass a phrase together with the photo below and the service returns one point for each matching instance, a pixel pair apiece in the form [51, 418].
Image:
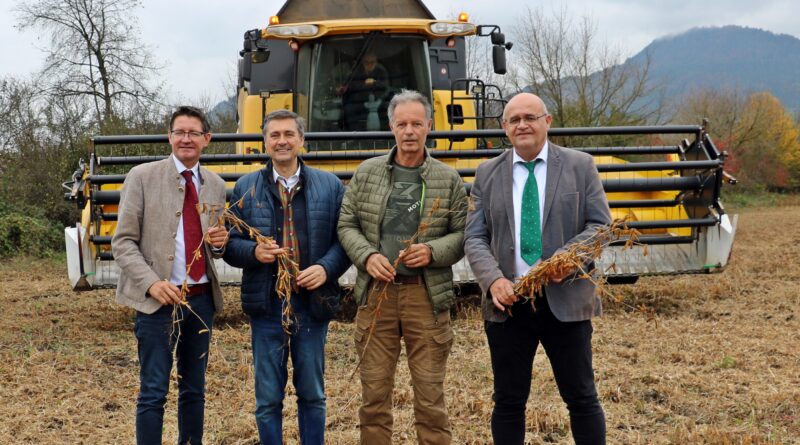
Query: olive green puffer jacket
[364, 205]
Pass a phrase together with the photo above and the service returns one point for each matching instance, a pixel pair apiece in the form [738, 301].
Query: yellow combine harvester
[307, 59]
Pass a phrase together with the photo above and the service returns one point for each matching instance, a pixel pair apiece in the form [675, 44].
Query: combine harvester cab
[304, 60]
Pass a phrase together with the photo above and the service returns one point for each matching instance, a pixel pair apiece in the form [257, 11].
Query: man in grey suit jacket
[159, 248]
[530, 203]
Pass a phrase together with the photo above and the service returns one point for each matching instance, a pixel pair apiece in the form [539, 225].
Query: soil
[704, 359]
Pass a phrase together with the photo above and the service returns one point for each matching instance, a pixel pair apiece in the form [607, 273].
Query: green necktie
[530, 230]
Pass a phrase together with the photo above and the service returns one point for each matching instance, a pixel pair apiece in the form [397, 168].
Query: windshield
[354, 78]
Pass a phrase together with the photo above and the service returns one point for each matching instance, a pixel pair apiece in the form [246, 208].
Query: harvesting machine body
[301, 61]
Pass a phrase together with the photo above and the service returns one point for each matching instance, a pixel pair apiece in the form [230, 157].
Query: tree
[582, 80]
[760, 135]
[93, 52]
[41, 139]
[771, 153]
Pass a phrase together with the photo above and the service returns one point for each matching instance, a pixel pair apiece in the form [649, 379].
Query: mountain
[734, 57]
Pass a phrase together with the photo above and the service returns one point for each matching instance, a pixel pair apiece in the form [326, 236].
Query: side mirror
[498, 38]
[499, 59]
[257, 47]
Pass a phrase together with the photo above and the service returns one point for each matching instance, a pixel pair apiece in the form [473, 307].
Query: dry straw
[574, 261]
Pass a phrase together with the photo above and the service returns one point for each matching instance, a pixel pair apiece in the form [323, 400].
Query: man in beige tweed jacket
[157, 234]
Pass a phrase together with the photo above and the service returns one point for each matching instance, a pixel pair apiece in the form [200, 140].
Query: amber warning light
[274, 20]
[463, 17]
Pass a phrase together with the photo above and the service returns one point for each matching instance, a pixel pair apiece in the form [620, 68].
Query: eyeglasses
[180, 134]
[528, 119]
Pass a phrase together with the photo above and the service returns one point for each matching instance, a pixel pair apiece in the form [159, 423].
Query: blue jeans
[271, 350]
[157, 336]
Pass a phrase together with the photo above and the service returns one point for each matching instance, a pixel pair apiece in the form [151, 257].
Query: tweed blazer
[143, 245]
[575, 206]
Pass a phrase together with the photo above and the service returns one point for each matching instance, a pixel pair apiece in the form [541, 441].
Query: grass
[721, 366]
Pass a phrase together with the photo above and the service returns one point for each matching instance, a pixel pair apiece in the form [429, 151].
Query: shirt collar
[542, 154]
[181, 168]
[295, 176]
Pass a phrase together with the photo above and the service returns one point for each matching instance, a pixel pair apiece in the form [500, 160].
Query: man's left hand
[312, 277]
[217, 236]
[416, 255]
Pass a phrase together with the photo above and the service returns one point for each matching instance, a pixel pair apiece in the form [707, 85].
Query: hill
[747, 59]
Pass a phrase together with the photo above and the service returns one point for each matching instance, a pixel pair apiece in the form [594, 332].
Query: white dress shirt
[521, 173]
[179, 265]
[288, 183]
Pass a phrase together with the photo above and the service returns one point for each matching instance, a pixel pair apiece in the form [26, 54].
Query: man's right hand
[266, 253]
[502, 291]
[165, 292]
[379, 267]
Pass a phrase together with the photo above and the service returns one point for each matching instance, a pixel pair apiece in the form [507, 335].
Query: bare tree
[93, 52]
[582, 80]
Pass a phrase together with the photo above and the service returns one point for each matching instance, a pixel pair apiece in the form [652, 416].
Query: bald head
[526, 122]
[531, 99]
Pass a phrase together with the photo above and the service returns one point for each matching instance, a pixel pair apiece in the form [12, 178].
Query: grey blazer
[575, 206]
[144, 243]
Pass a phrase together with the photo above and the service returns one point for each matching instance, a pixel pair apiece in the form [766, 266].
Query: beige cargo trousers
[405, 313]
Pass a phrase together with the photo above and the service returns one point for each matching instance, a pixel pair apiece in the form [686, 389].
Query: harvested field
[719, 365]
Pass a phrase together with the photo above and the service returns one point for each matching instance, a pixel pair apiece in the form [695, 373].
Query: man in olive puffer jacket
[402, 224]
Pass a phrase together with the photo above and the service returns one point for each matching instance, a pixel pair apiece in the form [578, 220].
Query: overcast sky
[199, 40]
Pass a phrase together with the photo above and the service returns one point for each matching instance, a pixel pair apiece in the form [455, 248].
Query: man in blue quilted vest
[297, 206]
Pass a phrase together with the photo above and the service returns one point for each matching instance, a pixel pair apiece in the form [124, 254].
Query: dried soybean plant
[379, 290]
[575, 259]
[287, 268]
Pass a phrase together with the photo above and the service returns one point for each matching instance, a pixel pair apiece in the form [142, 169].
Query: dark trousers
[157, 337]
[512, 345]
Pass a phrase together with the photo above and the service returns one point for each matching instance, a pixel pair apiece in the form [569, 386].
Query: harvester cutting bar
[100, 240]
[610, 185]
[364, 154]
[469, 172]
[387, 135]
[641, 203]
[673, 223]
[656, 166]
[648, 240]
[652, 184]
[657, 240]
[614, 204]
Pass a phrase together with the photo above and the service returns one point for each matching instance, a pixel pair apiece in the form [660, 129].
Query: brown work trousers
[406, 312]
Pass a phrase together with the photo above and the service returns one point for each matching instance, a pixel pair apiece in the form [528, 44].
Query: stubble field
[720, 364]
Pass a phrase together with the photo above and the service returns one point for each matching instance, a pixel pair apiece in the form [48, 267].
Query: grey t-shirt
[402, 217]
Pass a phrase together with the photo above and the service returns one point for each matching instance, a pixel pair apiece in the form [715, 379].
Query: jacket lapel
[507, 180]
[553, 174]
[172, 191]
[204, 200]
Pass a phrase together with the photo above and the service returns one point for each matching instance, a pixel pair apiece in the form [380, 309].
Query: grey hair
[278, 115]
[406, 96]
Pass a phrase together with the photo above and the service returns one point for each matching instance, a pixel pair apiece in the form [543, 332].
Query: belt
[198, 289]
[408, 279]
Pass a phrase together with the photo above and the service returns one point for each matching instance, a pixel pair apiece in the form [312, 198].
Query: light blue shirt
[179, 265]
[521, 173]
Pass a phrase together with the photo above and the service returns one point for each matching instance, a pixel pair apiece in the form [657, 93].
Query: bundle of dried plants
[575, 259]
